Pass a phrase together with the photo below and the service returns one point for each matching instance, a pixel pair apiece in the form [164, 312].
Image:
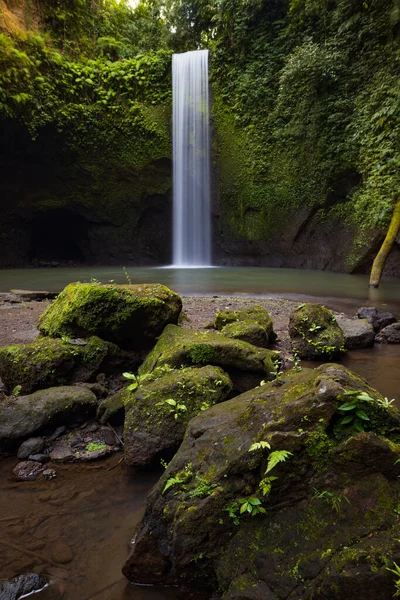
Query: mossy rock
[48, 362]
[246, 364]
[158, 412]
[27, 415]
[112, 409]
[131, 316]
[253, 325]
[314, 332]
[330, 493]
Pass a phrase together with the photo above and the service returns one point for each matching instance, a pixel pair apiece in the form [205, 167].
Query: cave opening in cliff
[59, 235]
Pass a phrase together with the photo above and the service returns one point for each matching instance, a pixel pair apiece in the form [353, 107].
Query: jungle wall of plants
[305, 106]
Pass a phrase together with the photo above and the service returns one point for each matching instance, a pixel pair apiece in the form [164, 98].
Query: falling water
[191, 154]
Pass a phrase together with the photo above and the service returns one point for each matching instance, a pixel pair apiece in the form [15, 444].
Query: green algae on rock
[27, 415]
[178, 347]
[329, 510]
[48, 362]
[315, 333]
[131, 316]
[158, 412]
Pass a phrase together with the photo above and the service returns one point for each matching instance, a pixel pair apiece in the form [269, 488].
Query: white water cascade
[191, 160]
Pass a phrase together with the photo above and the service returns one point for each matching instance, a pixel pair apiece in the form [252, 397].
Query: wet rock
[378, 319]
[61, 553]
[157, 413]
[83, 449]
[382, 320]
[358, 333]
[49, 474]
[30, 446]
[11, 298]
[253, 325]
[41, 458]
[112, 409]
[57, 433]
[366, 312]
[28, 470]
[314, 332]
[99, 390]
[26, 415]
[389, 334]
[48, 362]
[177, 347]
[34, 295]
[327, 491]
[131, 316]
[23, 585]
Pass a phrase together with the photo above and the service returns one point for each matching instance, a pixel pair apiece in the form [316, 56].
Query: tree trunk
[380, 259]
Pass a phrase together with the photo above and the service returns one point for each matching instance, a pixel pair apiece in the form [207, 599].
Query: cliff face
[19, 16]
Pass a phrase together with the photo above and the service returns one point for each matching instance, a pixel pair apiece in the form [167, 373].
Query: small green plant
[170, 482]
[353, 415]
[180, 478]
[95, 281]
[335, 500]
[164, 463]
[265, 485]
[259, 446]
[385, 403]
[203, 488]
[276, 457]
[95, 446]
[127, 276]
[176, 409]
[314, 327]
[252, 506]
[136, 380]
[16, 391]
[396, 571]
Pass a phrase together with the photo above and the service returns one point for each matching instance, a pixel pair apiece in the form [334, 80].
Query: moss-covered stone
[326, 499]
[24, 416]
[253, 325]
[315, 333]
[112, 409]
[178, 347]
[48, 362]
[158, 412]
[130, 315]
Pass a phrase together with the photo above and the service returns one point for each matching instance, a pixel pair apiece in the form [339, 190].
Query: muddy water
[91, 508]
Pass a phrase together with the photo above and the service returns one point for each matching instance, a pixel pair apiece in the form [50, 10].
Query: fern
[265, 485]
[259, 446]
[170, 482]
[276, 457]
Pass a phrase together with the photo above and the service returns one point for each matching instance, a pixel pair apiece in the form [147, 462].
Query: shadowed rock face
[327, 518]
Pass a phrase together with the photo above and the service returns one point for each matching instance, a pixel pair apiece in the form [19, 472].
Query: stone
[27, 415]
[389, 334]
[28, 470]
[22, 586]
[49, 362]
[358, 333]
[41, 458]
[34, 295]
[366, 312]
[327, 493]
[158, 412]
[112, 409]
[382, 319]
[30, 446]
[131, 316]
[61, 553]
[64, 453]
[49, 474]
[57, 433]
[315, 333]
[245, 364]
[253, 325]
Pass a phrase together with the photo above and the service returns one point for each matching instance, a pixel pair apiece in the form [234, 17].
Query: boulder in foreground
[131, 316]
[315, 333]
[287, 491]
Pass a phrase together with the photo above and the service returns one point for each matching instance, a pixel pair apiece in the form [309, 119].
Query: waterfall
[191, 160]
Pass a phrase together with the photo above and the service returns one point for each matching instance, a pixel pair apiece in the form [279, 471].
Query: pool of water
[217, 280]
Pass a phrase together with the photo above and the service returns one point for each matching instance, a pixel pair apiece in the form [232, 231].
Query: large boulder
[315, 333]
[24, 416]
[158, 412]
[246, 364]
[287, 491]
[358, 333]
[253, 325]
[49, 362]
[131, 316]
